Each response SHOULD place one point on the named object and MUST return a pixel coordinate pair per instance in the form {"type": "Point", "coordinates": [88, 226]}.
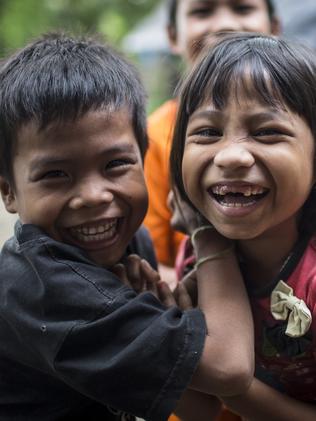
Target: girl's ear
{"type": "Point", "coordinates": [8, 196]}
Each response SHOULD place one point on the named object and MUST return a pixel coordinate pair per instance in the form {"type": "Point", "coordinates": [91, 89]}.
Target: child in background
{"type": "Point", "coordinates": [243, 155]}
{"type": "Point", "coordinates": [75, 342]}
{"type": "Point", "coordinates": [189, 24]}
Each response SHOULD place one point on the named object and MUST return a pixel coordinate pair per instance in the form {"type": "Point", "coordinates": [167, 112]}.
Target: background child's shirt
{"type": "Point", "coordinates": [75, 340]}
{"type": "Point", "coordinates": [160, 129]}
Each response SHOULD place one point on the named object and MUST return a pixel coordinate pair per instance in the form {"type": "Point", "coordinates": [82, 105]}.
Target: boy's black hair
{"type": "Point", "coordinates": [172, 6]}
{"type": "Point", "coordinates": [272, 70]}
{"type": "Point", "coordinates": [59, 77]}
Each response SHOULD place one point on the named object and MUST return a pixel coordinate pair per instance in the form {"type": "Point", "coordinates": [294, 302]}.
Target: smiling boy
{"type": "Point", "coordinates": [73, 203]}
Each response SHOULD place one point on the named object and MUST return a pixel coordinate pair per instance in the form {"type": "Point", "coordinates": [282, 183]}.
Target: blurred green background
{"type": "Point", "coordinates": [23, 20]}
{"type": "Point", "coordinates": [20, 20]}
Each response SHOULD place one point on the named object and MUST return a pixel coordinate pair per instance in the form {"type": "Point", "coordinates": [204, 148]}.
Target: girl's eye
{"type": "Point", "coordinates": [209, 132]}
{"type": "Point", "coordinates": [118, 163]}
{"type": "Point", "coordinates": [269, 134]}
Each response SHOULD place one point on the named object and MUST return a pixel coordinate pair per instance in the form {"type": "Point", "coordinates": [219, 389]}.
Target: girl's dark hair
{"type": "Point", "coordinates": [58, 78]}
{"type": "Point", "coordinates": [172, 6]}
{"type": "Point", "coordinates": [280, 73]}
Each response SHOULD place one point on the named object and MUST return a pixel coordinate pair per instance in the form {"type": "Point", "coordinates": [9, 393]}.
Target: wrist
{"type": "Point", "coordinates": [214, 256]}
{"type": "Point", "coordinates": [206, 240]}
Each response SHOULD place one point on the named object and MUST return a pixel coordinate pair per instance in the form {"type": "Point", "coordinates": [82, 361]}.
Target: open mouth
{"type": "Point", "coordinates": [91, 233]}
{"type": "Point", "coordinates": [238, 196]}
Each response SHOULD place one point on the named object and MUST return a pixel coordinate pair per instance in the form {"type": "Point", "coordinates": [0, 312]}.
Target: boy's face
{"type": "Point", "coordinates": [82, 182]}
{"type": "Point", "coordinates": [254, 166]}
{"type": "Point", "coordinates": [197, 19]}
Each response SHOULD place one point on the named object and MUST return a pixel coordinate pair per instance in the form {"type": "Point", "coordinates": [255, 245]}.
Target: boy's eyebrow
{"type": "Point", "coordinates": [43, 161]}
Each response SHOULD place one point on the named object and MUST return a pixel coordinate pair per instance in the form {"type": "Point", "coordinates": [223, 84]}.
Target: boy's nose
{"type": "Point", "coordinates": [234, 156]}
{"type": "Point", "coordinates": [90, 194]}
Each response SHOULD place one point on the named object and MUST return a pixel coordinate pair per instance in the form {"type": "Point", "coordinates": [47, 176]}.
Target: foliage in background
{"type": "Point", "coordinates": [22, 20]}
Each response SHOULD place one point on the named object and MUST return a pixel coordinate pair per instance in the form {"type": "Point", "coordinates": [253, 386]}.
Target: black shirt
{"type": "Point", "coordinates": [75, 343]}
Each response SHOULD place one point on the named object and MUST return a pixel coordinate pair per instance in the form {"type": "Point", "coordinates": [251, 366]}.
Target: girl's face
{"type": "Point", "coordinates": [248, 168]}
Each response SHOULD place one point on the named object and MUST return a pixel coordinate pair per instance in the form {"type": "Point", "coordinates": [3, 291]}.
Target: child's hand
{"type": "Point", "coordinates": [188, 283]}
{"type": "Point", "coordinates": [138, 274]}
{"type": "Point", "coordinates": [179, 298]}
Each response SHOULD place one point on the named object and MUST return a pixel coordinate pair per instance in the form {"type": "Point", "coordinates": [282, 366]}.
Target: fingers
{"type": "Point", "coordinates": [165, 295]}
{"type": "Point", "coordinates": [189, 281]}
{"type": "Point", "coordinates": [138, 274]}
{"type": "Point", "coordinates": [133, 271]}
{"type": "Point", "coordinates": [150, 277]}
{"type": "Point", "coordinates": [184, 299]}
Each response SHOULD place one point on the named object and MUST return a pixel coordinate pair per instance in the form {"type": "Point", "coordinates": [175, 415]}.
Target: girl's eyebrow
{"type": "Point", "coordinates": [273, 113]}
{"type": "Point", "coordinates": [206, 113]}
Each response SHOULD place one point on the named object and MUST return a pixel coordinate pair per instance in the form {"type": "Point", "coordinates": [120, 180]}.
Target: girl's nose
{"type": "Point", "coordinates": [234, 156]}
{"type": "Point", "coordinates": [90, 194]}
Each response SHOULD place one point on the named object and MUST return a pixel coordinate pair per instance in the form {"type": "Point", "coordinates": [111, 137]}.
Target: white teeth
{"type": "Point", "coordinates": [222, 190]}
{"type": "Point", "coordinates": [103, 231]}
{"type": "Point", "coordinates": [248, 192]}
{"type": "Point", "coordinates": [237, 204]}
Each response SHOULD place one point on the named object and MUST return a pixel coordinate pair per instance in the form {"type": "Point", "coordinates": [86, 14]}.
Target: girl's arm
{"type": "Point", "coordinates": [196, 406]}
{"type": "Point", "coordinates": [261, 403]}
{"type": "Point", "coordinates": [226, 366]}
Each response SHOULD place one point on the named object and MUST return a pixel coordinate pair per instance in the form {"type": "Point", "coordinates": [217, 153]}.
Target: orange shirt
{"type": "Point", "coordinates": [160, 129]}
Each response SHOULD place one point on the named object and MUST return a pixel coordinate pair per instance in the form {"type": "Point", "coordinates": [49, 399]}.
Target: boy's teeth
{"type": "Point", "coordinates": [100, 232]}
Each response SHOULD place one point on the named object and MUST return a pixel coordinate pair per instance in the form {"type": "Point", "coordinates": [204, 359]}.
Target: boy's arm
{"type": "Point", "coordinates": [261, 403]}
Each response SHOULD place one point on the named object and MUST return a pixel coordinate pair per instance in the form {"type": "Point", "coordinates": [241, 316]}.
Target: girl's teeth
{"type": "Point", "coordinates": [247, 191]}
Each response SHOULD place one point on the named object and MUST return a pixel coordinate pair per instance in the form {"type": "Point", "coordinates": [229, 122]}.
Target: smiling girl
{"type": "Point", "coordinates": [243, 156]}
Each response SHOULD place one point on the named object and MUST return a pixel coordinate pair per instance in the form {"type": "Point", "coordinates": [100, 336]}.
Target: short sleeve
{"type": "Point", "coordinates": [76, 323]}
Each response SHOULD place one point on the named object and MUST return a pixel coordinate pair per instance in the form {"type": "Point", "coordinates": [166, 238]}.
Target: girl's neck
{"type": "Point", "coordinates": [264, 256]}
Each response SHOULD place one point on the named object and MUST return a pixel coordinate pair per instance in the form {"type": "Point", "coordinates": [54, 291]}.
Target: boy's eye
{"type": "Point", "coordinates": [53, 174]}
{"type": "Point", "coordinates": [119, 163]}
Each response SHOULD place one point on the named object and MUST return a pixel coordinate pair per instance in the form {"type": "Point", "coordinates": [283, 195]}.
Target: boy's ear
{"type": "Point", "coordinates": [173, 40]}
{"type": "Point", "coordinates": [275, 26]}
{"type": "Point", "coordinates": [8, 196]}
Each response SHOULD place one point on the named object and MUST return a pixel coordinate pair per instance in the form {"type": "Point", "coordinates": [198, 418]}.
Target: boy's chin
{"type": "Point", "coordinates": [102, 257]}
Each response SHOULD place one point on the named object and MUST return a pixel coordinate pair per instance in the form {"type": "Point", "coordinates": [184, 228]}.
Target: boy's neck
{"type": "Point", "coordinates": [263, 257]}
